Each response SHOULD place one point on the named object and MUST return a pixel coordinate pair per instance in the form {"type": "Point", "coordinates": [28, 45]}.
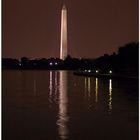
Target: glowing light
{"type": "Point", "coordinates": [97, 71]}
{"type": "Point", "coordinates": [51, 63]}
{"type": "Point", "coordinates": [56, 63]}
{"type": "Point", "coordinates": [110, 71]}
{"type": "Point", "coordinates": [89, 70]}
{"type": "Point", "coordinates": [85, 70]}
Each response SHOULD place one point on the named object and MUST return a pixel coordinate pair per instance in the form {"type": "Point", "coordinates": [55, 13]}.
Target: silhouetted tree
{"type": "Point", "coordinates": [24, 62]}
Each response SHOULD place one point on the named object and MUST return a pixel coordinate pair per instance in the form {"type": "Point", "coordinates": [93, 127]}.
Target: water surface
{"type": "Point", "coordinates": [56, 105]}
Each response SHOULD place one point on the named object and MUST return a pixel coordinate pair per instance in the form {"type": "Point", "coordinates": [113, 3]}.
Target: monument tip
{"type": "Point", "coordinates": [64, 6]}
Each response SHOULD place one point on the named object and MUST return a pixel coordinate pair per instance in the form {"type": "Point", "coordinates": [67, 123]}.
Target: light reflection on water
{"type": "Point", "coordinates": [51, 88]}
{"type": "Point", "coordinates": [110, 97]}
{"type": "Point", "coordinates": [85, 86]}
{"type": "Point", "coordinates": [91, 91]}
{"type": "Point", "coordinates": [56, 84]}
{"type": "Point", "coordinates": [96, 90]}
{"type": "Point", "coordinates": [89, 87]}
{"type": "Point", "coordinates": [63, 101]}
{"type": "Point", "coordinates": [92, 103]}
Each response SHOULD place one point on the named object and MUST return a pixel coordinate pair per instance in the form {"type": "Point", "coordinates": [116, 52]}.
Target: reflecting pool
{"type": "Point", "coordinates": [57, 105]}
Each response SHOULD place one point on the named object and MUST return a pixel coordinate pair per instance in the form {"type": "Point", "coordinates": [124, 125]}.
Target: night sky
{"type": "Point", "coordinates": [31, 28]}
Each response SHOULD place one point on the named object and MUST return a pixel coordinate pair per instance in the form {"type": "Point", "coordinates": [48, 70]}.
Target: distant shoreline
{"type": "Point", "coordinates": [108, 76]}
{"type": "Point", "coordinates": [122, 64]}
{"type": "Point", "coordinates": [84, 74]}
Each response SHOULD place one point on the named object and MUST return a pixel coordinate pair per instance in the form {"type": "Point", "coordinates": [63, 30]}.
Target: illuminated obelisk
{"type": "Point", "coordinates": [63, 41]}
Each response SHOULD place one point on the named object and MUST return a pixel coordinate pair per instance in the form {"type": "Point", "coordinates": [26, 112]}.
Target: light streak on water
{"type": "Point", "coordinates": [89, 86]}
{"type": "Point", "coordinates": [110, 97]}
{"type": "Point", "coordinates": [63, 102]}
{"type": "Point", "coordinates": [96, 90]}
{"type": "Point", "coordinates": [85, 88]}
{"type": "Point", "coordinates": [56, 84]}
{"type": "Point", "coordinates": [51, 87]}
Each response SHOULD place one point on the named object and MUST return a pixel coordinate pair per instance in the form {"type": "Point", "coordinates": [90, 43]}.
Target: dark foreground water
{"type": "Point", "coordinates": [56, 105]}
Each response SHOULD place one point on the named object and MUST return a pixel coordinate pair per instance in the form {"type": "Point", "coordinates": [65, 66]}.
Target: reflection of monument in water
{"type": "Point", "coordinates": [63, 41]}
{"type": "Point", "coordinates": [63, 102]}
{"type": "Point", "coordinates": [58, 87]}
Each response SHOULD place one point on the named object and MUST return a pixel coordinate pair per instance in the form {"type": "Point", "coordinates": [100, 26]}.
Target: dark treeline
{"type": "Point", "coordinates": [52, 63]}
{"type": "Point", "coordinates": [125, 61]}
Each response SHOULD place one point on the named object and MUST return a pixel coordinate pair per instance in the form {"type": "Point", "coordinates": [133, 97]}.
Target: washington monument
{"type": "Point", "coordinates": [63, 41]}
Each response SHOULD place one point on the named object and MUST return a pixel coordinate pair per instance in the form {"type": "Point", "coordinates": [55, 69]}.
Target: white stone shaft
{"type": "Point", "coordinates": [63, 42]}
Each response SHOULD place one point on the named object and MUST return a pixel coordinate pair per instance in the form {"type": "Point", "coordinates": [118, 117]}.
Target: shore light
{"type": "Point", "coordinates": [51, 63]}
{"type": "Point", "coordinates": [110, 71]}
{"type": "Point", "coordinates": [55, 63]}
{"type": "Point", "coordinates": [89, 70]}
{"type": "Point", "coordinates": [97, 71]}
